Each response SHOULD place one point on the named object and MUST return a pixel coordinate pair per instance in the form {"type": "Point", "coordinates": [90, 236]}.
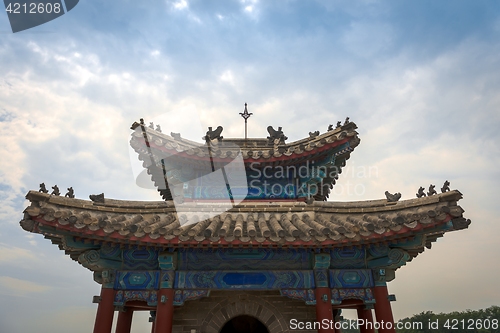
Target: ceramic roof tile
{"type": "Point", "coordinates": [287, 224]}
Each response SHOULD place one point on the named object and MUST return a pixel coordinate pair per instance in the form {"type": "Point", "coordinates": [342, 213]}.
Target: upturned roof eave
{"type": "Point", "coordinates": [319, 225]}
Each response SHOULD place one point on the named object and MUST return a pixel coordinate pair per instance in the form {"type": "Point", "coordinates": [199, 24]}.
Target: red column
{"type": "Point", "coordinates": [367, 317]}
{"type": "Point", "coordinates": [124, 323]}
{"type": "Point", "coordinates": [105, 311]}
{"type": "Point", "coordinates": [383, 310]}
{"type": "Point", "coordinates": [324, 309]}
{"type": "Point", "coordinates": [164, 311]}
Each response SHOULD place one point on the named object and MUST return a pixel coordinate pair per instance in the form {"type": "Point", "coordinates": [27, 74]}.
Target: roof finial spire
{"type": "Point", "coordinates": [245, 116]}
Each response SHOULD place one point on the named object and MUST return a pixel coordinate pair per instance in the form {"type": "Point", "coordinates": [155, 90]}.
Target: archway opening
{"type": "Point", "coordinates": [244, 324]}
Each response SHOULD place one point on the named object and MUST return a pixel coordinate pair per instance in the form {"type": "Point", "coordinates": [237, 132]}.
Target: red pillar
{"type": "Point", "coordinates": [105, 311]}
{"type": "Point", "coordinates": [383, 310]}
{"type": "Point", "coordinates": [367, 317]}
{"type": "Point", "coordinates": [164, 311]}
{"type": "Point", "coordinates": [124, 323]}
{"type": "Point", "coordinates": [324, 309]}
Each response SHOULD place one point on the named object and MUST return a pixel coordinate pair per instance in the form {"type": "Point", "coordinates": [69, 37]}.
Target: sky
{"type": "Point", "coordinates": [419, 78]}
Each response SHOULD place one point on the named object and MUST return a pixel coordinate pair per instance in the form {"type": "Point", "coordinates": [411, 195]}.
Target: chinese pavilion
{"type": "Point", "coordinates": [246, 231]}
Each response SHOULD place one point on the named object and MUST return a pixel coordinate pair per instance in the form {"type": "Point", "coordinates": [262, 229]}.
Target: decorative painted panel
{"type": "Point", "coordinates": [92, 260]}
{"type": "Point", "coordinates": [167, 279]}
{"type": "Point", "coordinates": [148, 296]}
{"type": "Point", "coordinates": [135, 259]}
{"type": "Point", "coordinates": [306, 295]}
{"type": "Point", "coordinates": [243, 259]}
{"type": "Point", "coordinates": [342, 254]}
{"type": "Point", "coordinates": [111, 252]}
{"type": "Point", "coordinates": [351, 278]}
{"type": "Point", "coordinates": [322, 261]}
{"type": "Point", "coordinates": [137, 280]}
{"type": "Point", "coordinates": [180, 296]}
{"type": "Point", "coordinates": [255, 280]}
{"type": "Point", "coordinates": [366, 295]}
{"type": "Point", "coordinates": [348, 264]}
{"type": "Point", "coordinates": [348, 258]}
{"type": "Point", "coordinates": [377, 250]}
{"type": "Point", "coordinates": [167, 261]}
{"type": "Point", "coordinates": [395, 258]}
{"type": "Point", "coordinates": [321, 278]}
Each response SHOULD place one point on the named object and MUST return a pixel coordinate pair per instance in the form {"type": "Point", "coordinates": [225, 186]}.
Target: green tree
{"type": "Point", "coordinates": [479, 321]}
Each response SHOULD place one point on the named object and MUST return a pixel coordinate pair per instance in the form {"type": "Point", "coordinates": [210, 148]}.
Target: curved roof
{"type": "Point", "coordinates": [165, 155]}
{"type": "Point", "coordinates": [249, 224]}
{"type": "Point", "coordinates": [252, 150]}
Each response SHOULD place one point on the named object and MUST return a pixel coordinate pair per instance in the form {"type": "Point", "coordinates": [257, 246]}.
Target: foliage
{"type": "Point", "coordinates": [480, 321]}
{"type": "Point", "coordinates": [455, 322]}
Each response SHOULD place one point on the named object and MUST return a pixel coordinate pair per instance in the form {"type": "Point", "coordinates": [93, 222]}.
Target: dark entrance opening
{"type": "Point", "coordinates": [244, 324]}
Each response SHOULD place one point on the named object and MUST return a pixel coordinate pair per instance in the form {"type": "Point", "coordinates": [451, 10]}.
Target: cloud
{"type": "Point", "coordinates": [10, 254]}
{"type": "Point", "coordinates": [17, 287]}
{"type": "Point", "coordinates": [227, 76]}
{"type": "Point", "coordinates": [180, 5]}
{"type": "Point", "coordinates": [249, 4]}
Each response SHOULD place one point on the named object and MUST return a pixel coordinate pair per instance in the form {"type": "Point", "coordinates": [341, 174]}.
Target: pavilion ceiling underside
{"type": "Point", "coordinates": [330, 164]}
{"type": "Point", "coordinates": [322, 224]}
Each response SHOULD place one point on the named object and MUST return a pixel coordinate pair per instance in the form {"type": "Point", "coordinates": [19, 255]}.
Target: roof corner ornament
{"type": "Point", "coordinates": [55, 190]}
{"type": "Point", "coordinates": [346, 121]}
{"type": "Point", "coordinates": [313, 134]}
{"type": "Point", "coordinates": [432, 191]}
{"type": "Point", "coordinates": [339, 124]}
{"type": "Point", "coordinates": [97, 197]}
{"type": "Point", "coordinates": [70, 194]}
{"type": "Point", "coordinates": [421, 192]}
{"type": "Point", "coordinates": [43, 189]}
{"type": "Point", "coordinates": [212, 135]}
{"type": "Point", "coordinates": [176, 136]}
{"type": "Point", "coordinates": [276, 136]}
{"type": "Point", "coordinates": [245, 115]}
{"type": "Point", "coordinates": [446, 187]}
{"type": "Point", "coordinates": [330, 127]}
{"type": "Point", "coordinates": [392, 197]}
{"type": "Point", "coordinates": [151, 125]}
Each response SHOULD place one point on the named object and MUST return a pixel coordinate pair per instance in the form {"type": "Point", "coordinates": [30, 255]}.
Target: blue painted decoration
{"type": "Point", "coordinates": [243, 259]}
{"type": "Point", "coordinates": [250, 280]}
{"type": "Point", "coordinates": [351, 278]}
{"type": "Point", "coordinates": [148, 296]}
{"type": "Point", "coordinates": [137, 280]}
